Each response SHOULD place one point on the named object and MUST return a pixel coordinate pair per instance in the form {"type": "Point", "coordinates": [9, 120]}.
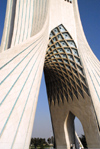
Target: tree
{"type": "Point", "coordinates": [83, 140]}
{"type": "Point", "coordinates": [38, 142]}
{"type": "Point", "coordinates": [49, 140]}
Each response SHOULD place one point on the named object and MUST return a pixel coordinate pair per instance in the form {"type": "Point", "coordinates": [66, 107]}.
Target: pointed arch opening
{"type": "Point", "coordinates": [64, 73]}
{"type": "Point", "coordinates": [74, 133]}
{"type": "Point", "coordinates": [79, 133]}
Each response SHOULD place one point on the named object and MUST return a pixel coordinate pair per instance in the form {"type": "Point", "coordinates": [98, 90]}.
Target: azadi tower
{"type": "Point", "coordinates": [47, 34]}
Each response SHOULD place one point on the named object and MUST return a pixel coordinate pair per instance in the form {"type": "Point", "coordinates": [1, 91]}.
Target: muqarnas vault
{"type": "Point", "coordinates": [47, 34]}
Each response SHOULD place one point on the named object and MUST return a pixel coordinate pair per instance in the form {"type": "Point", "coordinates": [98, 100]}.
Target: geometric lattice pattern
{"type": "Point", "coordinates": [63, 68]}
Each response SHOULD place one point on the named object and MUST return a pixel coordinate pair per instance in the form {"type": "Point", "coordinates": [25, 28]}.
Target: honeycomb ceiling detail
{"type": "Point", "coordinates": [63, 69]}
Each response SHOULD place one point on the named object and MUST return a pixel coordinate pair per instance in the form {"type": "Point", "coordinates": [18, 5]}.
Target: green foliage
{"type": "Point", "coordinates": [51, 140]}
{"type": "Point", "coordinates": [41, 143]}
{"type": "Point", "coordinates": [83, 140]}
{"type": "Point", "coordinates": [38, 142]}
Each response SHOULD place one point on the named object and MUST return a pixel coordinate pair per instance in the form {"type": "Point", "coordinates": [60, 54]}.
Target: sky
{"type": "Point", "coordinates": [90, 17]}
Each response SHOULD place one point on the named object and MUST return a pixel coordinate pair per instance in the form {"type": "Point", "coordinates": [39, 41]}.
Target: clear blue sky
{"type": "Point", "coordinates": [90, 17]}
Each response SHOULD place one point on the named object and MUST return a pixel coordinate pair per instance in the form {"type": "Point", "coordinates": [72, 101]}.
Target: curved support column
{"type": "Point", "coordinates": [90, 63]}
{"type": "Point", "coordinates": [63, 123]}
{"type": "Point", "coordinates": [69, 130]}
{"type": "Point", "coordinates": [58, 119]}
{"type": "Point", "coordinates": [21, 72]}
